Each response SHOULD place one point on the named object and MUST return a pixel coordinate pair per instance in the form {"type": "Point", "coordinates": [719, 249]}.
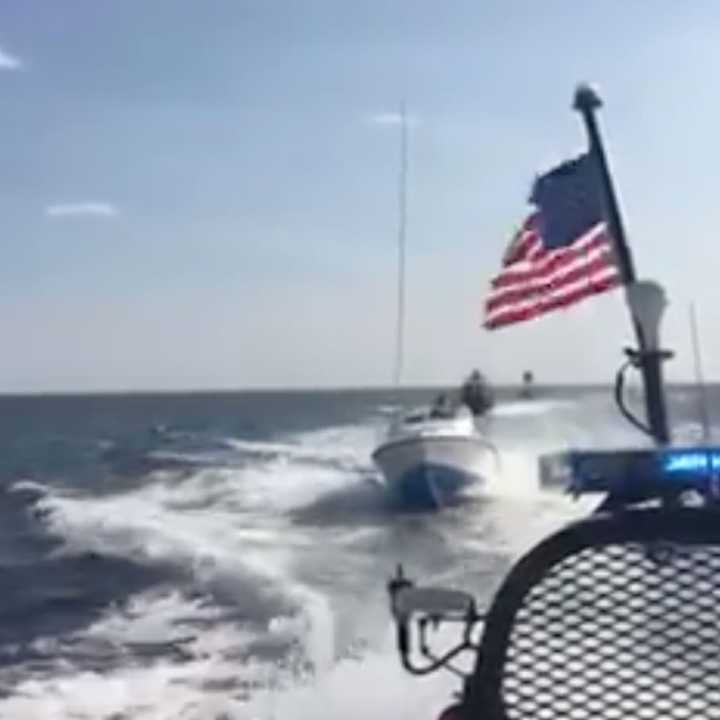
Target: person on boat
{"type": "Point", "coordinates": [526, 391]}
{"type": "Point", "coordinates": [476, 394]}
{"type": "Point", "coordinates": [442, 407]}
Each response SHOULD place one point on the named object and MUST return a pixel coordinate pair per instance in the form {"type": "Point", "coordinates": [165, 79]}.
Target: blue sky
{"type": "Point", "coordinates": [203, 194]}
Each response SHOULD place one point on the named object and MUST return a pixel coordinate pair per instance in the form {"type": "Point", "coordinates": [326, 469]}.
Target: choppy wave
{"type": "Point", "coordinates": [254, 572]}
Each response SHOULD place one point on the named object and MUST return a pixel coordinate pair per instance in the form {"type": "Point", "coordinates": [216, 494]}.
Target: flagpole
{"type": "Point", "coordinates": [587, 101]}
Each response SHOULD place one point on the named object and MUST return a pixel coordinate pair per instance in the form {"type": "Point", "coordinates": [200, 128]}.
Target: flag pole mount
{"type": "Point", "coordinates": [646, 299]}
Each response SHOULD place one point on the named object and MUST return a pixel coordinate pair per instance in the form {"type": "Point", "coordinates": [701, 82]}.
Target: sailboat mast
{"type": "Point", "coordinates": [402, 228]}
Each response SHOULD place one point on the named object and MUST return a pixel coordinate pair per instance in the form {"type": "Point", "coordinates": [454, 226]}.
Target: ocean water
{"type": "Point", "coordinates": [232, 565]}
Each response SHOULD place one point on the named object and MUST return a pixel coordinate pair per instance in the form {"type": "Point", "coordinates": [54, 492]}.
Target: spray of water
{"type": "Point", "coordinates": [283, 614]}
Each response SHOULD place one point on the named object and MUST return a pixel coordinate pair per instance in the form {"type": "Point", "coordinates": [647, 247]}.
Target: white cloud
{"type": "Point", "coordinates": [391, 119]}
{"type": "Point", "coordinates": [9, 62]}
{"type": "Point", "coordinates": [84, 209]}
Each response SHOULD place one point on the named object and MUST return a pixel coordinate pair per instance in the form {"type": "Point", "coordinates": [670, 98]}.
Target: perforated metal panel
{"type": "Point", "coordinates": [616, 617]}
{"type": "Point", "coordinates": [619, 632]}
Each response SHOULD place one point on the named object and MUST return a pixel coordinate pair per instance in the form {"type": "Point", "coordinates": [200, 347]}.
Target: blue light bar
{"type": "Point", "coordinates": [691, 461]}
{"type": "Point", "coordinates": [649, 472]}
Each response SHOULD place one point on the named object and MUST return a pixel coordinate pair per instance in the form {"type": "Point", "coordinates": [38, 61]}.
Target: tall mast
{"type": "Point", "coordinates": [402, 227]}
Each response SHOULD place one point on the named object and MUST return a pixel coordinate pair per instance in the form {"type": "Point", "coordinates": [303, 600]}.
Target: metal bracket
{"type": "Point", "coordinates": [432, 615]}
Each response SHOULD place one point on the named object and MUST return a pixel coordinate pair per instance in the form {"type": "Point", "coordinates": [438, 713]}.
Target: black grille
{"type": "Point", "coordinates": [618, 632]}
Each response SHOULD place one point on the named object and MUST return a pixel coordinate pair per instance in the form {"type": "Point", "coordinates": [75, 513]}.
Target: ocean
{"type": "Point", "coordinates": [225, 556]}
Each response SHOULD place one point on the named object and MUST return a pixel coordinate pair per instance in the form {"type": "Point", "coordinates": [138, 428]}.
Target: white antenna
{"type": "Point", "coordinates": [402, 226]}
{"type": "Point", "coordinates": [702, 395]}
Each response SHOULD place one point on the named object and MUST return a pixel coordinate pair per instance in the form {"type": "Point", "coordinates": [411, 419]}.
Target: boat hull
{"type": "Point", "coordinates": [430, 470]}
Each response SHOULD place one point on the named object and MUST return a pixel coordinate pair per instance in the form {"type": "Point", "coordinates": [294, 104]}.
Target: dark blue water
{"type": "Point", "coordinates": [224, 555]}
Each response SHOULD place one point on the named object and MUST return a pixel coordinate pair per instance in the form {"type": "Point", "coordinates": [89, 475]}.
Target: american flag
{"type": "Point", "coordinates": [563, 252]}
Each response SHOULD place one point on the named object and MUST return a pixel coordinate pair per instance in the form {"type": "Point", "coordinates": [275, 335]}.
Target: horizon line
{"type": "Point", "coordinates": [279, 390]}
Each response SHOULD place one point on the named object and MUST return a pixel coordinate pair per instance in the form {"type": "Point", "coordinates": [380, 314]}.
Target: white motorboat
{"type": "Point", "coordinates": [426, 459]}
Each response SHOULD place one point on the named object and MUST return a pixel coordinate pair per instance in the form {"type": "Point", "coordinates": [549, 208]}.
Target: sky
{"type": "Point", "coordinates": [204, 194]}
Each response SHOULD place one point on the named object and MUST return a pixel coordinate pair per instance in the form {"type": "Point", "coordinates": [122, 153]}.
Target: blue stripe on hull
{"type": "Point", "coordinates": [429, 485]}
